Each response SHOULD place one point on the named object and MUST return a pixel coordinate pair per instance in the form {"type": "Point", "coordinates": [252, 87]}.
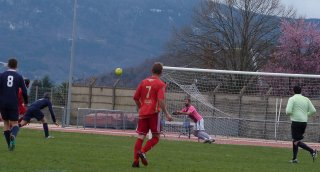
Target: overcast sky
{"type": "Point", "coordinates": [305, 8]}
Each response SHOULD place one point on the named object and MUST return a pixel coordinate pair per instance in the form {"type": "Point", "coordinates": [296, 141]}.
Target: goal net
{"type": "Point", "coordinates": [241, 104]}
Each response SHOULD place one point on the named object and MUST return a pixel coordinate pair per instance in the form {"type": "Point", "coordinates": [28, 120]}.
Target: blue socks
{"type": "Point", "coordinates": [14, 131]}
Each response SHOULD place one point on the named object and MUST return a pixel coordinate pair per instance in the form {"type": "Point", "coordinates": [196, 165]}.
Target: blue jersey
{"type": "Point", "coordinates": [10, 82]}
{"type": "Point", "coordinates": [41, 104]}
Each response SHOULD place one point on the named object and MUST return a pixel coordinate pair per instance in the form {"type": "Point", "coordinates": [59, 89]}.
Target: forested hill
{"type": "Point", "coordinates": [110, 33]}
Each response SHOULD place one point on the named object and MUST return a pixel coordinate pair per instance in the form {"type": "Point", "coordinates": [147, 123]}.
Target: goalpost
{"type": "Point", "coordinates": [242, 104]}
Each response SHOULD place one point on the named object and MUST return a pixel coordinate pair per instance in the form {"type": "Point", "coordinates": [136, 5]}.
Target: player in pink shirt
{"type": "Point", "coordinates": [198, 120]}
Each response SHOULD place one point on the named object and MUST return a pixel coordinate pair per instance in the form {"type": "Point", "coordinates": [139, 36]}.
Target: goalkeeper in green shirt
{"type": "Point", "coordinates": [299, 108]}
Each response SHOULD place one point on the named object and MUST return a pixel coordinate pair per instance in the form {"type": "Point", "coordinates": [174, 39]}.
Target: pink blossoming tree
{"type": "Point", "coordinates": [298, 52]}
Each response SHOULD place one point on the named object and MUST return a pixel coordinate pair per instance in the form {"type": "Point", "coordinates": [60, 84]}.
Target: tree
{"type": "Point", "coordinates": [60, 93]}
{"type": "Point", "coordinates": [298, 50]}
{"type": "Point", "coordinates": [39, 87]}
{"type": "Point", "coordinates": [230, 34]}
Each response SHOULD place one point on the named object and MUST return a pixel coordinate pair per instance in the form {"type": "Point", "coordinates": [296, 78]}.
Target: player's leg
{"type": "Point", "coordinates": [199, 134]}
{"type": "Point", "coordinates": [296, 137]}
{"type": "Point", "coordinates": [154, 125]}
{"type": "Point", "coordinates": [14, 133]}
{"type": "Point", "coordinates": [22, 111]}
{"type": "Point", "coordinates": [155, 128]}
{"type": "Point", "coordinates": [206, 136]}
{"type": "Point", "coordinates": [13, 122]}
{"type": "Point", "coordinates": [6, 127]}
{"type": "Point", "coordinates": [45, 127]}
{"type": "Point", "coordinates": [6, 131]}
{"type": "Point", "coordinates": [26, 119]}
{"type": "Point", "coordinates": [14, 128]}
{"type": "Point", "coordinates": [23, 123]}
{"type": "Point", "coordinates": [301, 130]}
{"type": "Point", "coordinates": [202, 133]}
{"type": "Point", "coordinates": [199, 127]}
{"type": "Point", "coordinates": [142, 130]}
{"type": "Point", "coordinates": [295, 149]}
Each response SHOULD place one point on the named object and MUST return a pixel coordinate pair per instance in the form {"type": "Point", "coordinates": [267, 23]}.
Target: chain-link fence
{"type": "Point", "coordinates": [58, 98]}
{"type": "Point", "coordinates": [58, 95]}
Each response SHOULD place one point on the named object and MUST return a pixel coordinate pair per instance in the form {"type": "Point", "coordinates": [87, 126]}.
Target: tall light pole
{"type": "Point", "coordinates": [74, 25]}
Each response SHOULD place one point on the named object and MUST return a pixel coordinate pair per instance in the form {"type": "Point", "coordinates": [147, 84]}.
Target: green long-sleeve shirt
{"type": "Point", "coordinates": [300, 108]}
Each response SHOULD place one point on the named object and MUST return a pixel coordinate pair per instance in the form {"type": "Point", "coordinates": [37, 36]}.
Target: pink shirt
{"type": "Point", "coordinates": [194, 115]}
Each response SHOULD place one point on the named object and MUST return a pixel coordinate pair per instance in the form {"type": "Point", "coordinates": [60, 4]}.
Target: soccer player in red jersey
{"type": "Point", "coordinates": [149, 98]}
{"type": "Point", "coordinates": [22, 106]}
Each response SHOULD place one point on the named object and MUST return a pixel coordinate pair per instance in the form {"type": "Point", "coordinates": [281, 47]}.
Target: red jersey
{"type": "Point", "coordinates": [149, 91]}
{"type": "Point", "coordinates": [22, 108]}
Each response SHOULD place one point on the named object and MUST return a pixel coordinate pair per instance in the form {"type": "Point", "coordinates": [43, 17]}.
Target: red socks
{"type": "Point", "coordinates": [150, 143]}
{"type": "Point", "coordinates": [137, 148]}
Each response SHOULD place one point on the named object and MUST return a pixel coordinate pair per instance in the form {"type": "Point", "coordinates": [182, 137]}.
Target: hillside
{"type": "Point", "coordinates": [110, 34]}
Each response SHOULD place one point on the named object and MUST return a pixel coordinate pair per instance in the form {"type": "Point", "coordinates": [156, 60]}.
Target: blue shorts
{"type": "Point", "coordinates": [33, 113]}
{"type": "Point", "coordinates": [9, 114]}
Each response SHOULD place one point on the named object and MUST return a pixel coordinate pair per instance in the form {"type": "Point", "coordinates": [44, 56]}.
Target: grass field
{"type": "Point", "coordinates": [89, 152]}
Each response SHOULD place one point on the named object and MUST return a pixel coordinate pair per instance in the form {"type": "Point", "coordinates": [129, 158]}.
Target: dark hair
{"type": "Point", "coordinates": [27, 82]}
{"type": "Point", "coordinates": [157, 68]}
{"type": "Point", "coordinates": [297, 89]}
{"type": "Point", "coordinates": [46, 95]}
{"type": "Point", "coordinates": [188, 99]}
{"type": "Point", "coordinates": [12, 63]}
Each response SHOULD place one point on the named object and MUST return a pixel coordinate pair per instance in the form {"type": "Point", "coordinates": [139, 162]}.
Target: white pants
{"type": "Point", "coordinates": [199, 125]}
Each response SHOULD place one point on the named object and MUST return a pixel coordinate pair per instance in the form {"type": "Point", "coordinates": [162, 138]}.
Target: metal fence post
{"type": "Point", "coordinates": [95, 120]}
{"type": "Point", "coordinates": [63, 118]}
{"type": "Point", "coordinates": [84, 121]}
{"type": "Point", "coordinates": [78, 117]}
{"type": "Point", "coordinates": [114, 93]}
{"type": "Point", "coordinates": [123, 121]}
{"type": "Point", "coordinates": [37, 89]}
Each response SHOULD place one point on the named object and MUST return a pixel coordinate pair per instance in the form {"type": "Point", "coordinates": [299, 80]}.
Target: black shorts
{"type": "Point", "coordinates": [33, 113]}
{"type": "Point", "coordinates": [9, 114]}
{"type": "Point", "coordinates": [297, 130]}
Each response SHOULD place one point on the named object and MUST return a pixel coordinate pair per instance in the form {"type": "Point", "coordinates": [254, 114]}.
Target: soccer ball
{"type": "Point", "coordinates": [118, 71]}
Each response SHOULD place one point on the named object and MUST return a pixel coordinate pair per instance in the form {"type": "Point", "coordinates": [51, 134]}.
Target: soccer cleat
{"type": "Point", "coordinates": [314, 155]}
{"type": "Point", "coordinates": [12, 144]}
{"type": "Point", "coordinates": [294, 161]}
{"type": "Point", "coordinates": [212, 141]}
{"type": "Point", "coordinates": [143, 158]}
{"type": "Point", "coordinates": [209, 141]}
{"type": "Point", "coordinates": [50, 137]}
{"type": "Point", "coordinates": [135, 164]}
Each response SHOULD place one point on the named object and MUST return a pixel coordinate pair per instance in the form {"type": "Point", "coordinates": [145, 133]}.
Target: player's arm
{"type": "Point", "coordinates": [289, 106]}
{"type": "Point", "coordinates": [312, 110]}
{"type": "Point", "coordinates": [137, 96]}
{"type": "Point", "coordinates": [160, 96]}
{"type": "Point", "coordinates": [184, 113]}
{"type": "Point", "coordinates": [53, 117]}
{"type": "Point", "coordinates": [164, 109]}
{"type": "Point", "coordinates": [24, 91]}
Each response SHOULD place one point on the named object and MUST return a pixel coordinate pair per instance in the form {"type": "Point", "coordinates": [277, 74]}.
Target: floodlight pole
{"type": "Point", "coordinates": [74, 25]}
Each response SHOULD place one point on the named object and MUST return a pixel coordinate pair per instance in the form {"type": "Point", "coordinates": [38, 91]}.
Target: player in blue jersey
{"type": "Point", "coordinates": [34, 111]}
{"type": "Point", "coordinates": [10, 82]}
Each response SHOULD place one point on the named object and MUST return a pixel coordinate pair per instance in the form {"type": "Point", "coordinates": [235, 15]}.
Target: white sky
{"type": "Point", "coordinates": [305, 8]}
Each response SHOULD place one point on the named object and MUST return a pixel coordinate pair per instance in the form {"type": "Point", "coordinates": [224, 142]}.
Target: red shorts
{"type": "Point", "coordinates": [22, 110]}
{"type": "Point", "coordinates": [151, 122]}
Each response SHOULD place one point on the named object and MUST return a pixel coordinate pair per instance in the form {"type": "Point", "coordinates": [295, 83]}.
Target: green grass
{"type": "Point", "coordinates": [88, 152]}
